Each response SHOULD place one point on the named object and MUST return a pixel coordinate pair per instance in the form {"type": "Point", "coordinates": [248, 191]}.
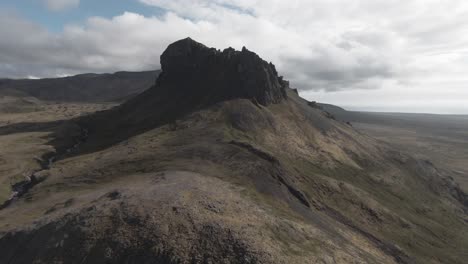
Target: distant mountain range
{"type": "Point", "coordinates": [81, 88]}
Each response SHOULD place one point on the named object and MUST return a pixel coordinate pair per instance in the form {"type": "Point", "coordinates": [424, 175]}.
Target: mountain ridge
{"type": "Point", "coordinates": [88, 87]}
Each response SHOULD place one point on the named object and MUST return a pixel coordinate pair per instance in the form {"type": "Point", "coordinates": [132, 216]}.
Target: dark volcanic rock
{"type": "Point", "coordinates": [206, 75]}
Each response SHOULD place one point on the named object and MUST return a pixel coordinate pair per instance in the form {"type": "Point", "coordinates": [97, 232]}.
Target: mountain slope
{"type": "Point", "coordinates": [442, 139]}
{"type": "Point", "coordinates": [81, 88]}
{"type": "Point", "coordinates": [221, 162]}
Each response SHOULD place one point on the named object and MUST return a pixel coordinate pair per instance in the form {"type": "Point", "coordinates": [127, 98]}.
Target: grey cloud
{"type": "Point", "coordinates": [325, 72]}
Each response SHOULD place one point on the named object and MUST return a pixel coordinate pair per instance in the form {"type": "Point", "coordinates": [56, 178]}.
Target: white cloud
{"type": "Point", "coordinates": [61, 5]}
{"type": "Point", "coordinates": [320, 45]}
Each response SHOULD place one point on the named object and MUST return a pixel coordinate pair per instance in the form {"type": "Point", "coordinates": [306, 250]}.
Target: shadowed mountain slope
{"type": "Point", "coordinates": [221, 162]}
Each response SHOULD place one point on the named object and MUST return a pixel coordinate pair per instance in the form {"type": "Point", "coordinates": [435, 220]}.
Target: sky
{"type": "Point", "coordinates": [370, 55]}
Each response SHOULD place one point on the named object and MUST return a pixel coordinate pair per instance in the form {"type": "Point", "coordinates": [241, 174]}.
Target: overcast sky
{"type": "Point", "coordinates": [377, 55]}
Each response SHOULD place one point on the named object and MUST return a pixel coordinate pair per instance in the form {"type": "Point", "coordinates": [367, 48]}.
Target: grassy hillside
{"type": "Point", "coordinates": [442, 139]}
{"type": "Point", "coordinates": [277, 184]}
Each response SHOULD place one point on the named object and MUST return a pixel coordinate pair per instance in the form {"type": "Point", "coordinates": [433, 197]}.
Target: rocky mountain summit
{"type": "Point", "coordinates": [220, 162]}
{"type": "Point", "coordinates": [192, 78]}
{"type": "Point", "coordinates": [207, 75]}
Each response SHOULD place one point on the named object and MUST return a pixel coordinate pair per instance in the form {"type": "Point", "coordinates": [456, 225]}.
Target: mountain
{"type": "Point", "coordinates": [18, 104]}
{"type": "Point", "coordinates": [81, 88]}
{"type": "Point", "coordinates": [220, 161]}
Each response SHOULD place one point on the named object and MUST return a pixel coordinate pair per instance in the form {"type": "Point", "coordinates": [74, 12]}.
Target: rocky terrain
{"type": "Point", "coordinates": [220, 161]}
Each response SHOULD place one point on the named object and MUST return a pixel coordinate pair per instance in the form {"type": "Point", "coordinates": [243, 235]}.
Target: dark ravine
{"type": "Point", "coordinates": [19, 189]}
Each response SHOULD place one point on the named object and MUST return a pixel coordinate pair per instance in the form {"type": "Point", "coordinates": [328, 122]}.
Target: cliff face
{"type": "Point", "coordinates": [206, 75]}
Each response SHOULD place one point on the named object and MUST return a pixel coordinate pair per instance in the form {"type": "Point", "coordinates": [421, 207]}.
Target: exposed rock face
{"type": "Point", "coordinates": [206, 75]}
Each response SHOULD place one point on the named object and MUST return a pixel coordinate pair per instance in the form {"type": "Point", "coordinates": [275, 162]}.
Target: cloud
{"type": "Point", "coordinates": [329, 45]}
{"type": "Point", "coordinates": [342, 45]}
{"type": "Point", "coordinates": [129, 41]}
{"type": "Point", "coordinates": [61, 5]}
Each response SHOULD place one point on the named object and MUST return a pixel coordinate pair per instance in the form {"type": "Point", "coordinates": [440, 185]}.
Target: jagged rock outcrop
{"type": "Point", "coordinates": [206, 75]}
